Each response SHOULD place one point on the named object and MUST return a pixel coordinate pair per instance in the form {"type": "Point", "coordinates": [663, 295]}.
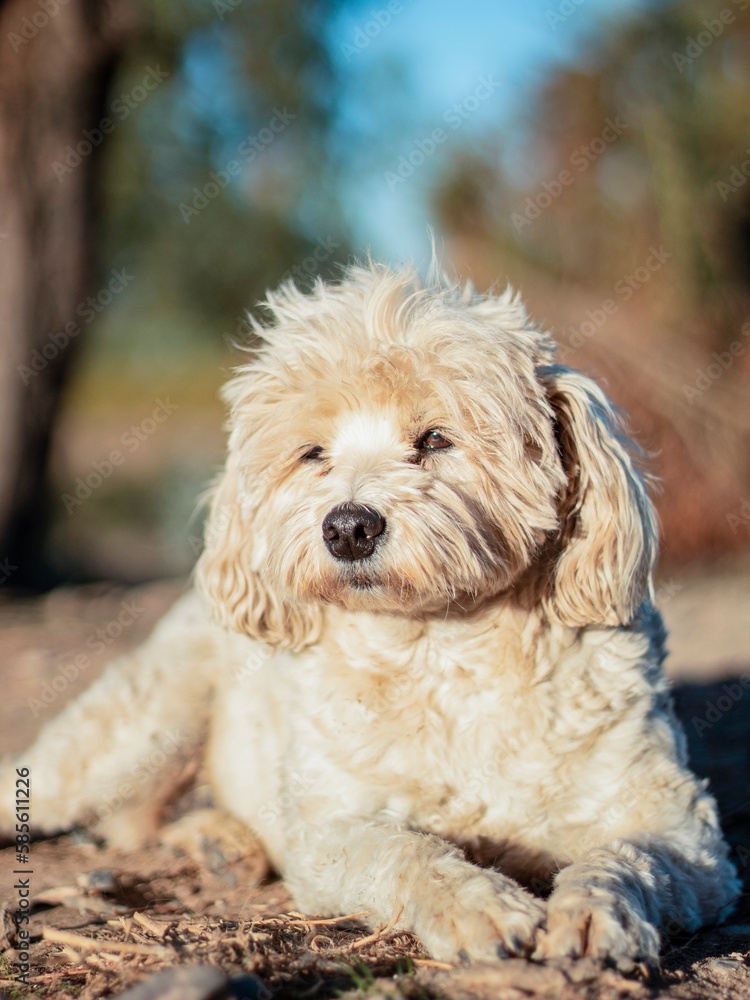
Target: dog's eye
{"type": "Point", "coordinates": [433, 441]}
{"type": "Point", "coordinates": [314, 454]}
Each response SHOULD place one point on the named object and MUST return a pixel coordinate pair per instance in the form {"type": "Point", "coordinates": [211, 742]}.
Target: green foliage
{"type": "Point", "coordinates": [219, 181]}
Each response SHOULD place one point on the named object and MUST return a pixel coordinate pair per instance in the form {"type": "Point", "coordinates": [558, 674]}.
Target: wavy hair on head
{"type": "Point", "coordinates": [231, 569]}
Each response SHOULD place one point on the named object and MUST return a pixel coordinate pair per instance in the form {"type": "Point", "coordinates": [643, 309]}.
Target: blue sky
{"type": "Point", "coordinates": [405, 69]}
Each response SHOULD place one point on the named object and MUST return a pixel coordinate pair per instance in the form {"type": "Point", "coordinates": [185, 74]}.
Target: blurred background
{"type": "Point", "coordinates": [162, 162]}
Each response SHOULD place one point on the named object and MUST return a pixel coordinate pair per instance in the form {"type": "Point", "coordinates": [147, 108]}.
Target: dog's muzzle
{"type": "Point", "coordinates": [351, 531]}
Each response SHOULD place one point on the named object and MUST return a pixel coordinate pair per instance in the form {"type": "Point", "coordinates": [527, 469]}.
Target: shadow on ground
{"type": "Point", "coordinates": [104, 920]}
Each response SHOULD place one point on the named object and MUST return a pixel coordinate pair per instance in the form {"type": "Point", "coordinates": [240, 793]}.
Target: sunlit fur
{"type": "Point", "coordinates": [475, 710]}
{"type": "Point", "coordinates": [363, 369]}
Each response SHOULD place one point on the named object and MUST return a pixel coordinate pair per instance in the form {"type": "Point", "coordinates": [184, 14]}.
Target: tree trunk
{"type": "Point", "coordinates": [56, 59]}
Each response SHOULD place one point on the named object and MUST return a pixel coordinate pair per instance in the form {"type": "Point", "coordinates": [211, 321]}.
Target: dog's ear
{"type": "Point", "coordinates": [608, 530]}
{"type": "Point", "coordinates": [229, 575]}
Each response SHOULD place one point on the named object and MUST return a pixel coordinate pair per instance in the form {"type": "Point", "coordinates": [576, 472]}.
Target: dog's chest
{"type": "Point", "coordinates": [445, 731]}
{"type": "Point", "coordinates": [446, 751]}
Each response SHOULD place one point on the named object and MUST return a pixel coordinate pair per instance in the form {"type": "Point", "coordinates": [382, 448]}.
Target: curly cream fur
{"type": "Point", "coordinates": [475, 710]}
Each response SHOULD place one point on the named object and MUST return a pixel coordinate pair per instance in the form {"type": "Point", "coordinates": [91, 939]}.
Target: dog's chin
{"type": "Point", "coordinates": [362, 587]}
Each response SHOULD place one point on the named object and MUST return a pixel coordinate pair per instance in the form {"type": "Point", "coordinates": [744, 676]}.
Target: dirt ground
{"type": "Point", "coordinates": [103, 920]}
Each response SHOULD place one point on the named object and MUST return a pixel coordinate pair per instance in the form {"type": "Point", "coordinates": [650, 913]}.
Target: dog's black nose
{"type": "Point", "coordinates": [351, 531]}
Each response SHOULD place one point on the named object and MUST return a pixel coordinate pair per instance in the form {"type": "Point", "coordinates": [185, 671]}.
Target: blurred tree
{"type": "Point", "coordinates": [56, 64]}
{"type": "Point", "coordinates": [201, 150]}
{"type": "Point", "coordinates": [225, 181]}
{"type": "Point", "coordinates": [638, 154]}
{"type": "Point", "coordinates": [637, 146]}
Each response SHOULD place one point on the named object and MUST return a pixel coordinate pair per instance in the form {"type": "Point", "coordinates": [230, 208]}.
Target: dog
{"type": "Point", "coordinates": [422, 642]}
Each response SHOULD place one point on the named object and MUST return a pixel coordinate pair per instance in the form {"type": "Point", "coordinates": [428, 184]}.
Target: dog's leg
{"type": "Point", "coordinates": [458, 910]}
{"type": "Point", "coordinates": [614, 901]}
{"type": "Point", "coordinates": [105, 759]}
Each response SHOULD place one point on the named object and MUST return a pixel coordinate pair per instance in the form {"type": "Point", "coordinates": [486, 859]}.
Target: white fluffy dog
{"type": "Point", "coordinates": [422, 644]}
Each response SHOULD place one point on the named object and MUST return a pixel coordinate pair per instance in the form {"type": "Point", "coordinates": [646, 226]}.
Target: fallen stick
{"type": "Point", "coordinates": [91, 944]}
{"type": "Point", "coordinates": [377, 934]}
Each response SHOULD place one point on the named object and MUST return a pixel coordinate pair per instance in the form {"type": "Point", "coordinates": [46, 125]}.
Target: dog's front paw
{"type": "Point", "coordinates": [580, 924]}
{"type": "Point", "coordinates": [483, 918]}
{"type": "Point", "coordinates": [215, 840]}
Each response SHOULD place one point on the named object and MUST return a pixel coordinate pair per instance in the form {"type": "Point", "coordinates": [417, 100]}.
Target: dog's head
{"type": "Point", "coordinates": [400, 448]}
